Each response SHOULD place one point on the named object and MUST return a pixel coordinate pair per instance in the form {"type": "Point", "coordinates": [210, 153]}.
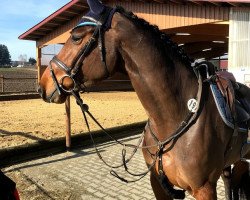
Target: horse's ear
{"type": "Point", "coordinates": [96, 6]}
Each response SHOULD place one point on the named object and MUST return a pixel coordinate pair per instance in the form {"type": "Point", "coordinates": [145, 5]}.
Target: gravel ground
{"type": "Point", "coordinates": [27, 121]}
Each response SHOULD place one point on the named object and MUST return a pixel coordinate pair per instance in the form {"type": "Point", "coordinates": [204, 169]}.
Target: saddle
{"type": "Point", "coordinates": [235, 110]}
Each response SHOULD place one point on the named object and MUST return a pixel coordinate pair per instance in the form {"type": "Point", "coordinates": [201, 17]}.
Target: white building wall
{"type": "Point", "coordinates": [239, 44]}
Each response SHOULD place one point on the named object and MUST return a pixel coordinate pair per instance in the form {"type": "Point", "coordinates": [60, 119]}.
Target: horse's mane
{"type": "Point", "coordinates": [172, 47]}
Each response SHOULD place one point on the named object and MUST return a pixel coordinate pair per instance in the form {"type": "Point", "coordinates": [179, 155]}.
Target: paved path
{"type": "Point", "coordinates": [80, 175]}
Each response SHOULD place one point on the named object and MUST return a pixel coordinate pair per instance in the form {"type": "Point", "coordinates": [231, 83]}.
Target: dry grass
{"type": "Point", "coordinates": [27, 121]}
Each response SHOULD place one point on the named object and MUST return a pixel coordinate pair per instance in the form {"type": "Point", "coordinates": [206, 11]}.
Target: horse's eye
{"type": "Point", "coordinates": [76, 39]}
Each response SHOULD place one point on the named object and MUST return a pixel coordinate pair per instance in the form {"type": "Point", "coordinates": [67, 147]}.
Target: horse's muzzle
{"type": "Point", "coordinates": [42, 93]}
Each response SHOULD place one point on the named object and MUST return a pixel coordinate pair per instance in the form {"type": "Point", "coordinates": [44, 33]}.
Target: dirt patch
{"type": "Point", "coordinates": [28, 121]}
{"type": "Point", "coordinates": [17, 80]}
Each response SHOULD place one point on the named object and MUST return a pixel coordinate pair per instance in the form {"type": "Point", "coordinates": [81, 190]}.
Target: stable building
{"type": "Point", "coordinates": [205, 29]}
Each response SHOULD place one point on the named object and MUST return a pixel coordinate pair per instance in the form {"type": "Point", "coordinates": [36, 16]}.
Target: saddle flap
{"type": "Point", "coordinates": [226, 88]}
{"type": "Point", "coordinates": [234, 109]}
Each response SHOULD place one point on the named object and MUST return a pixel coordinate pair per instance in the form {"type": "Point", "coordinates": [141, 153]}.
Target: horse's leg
{"type": "Point", "coordinates": [206, 192]}
{"type": "Point", "coordinates": [226, 177]}
{"type": "Point", "coordinates": [159, 192]}
{"type": "Point", "coordinates": [241, 180]}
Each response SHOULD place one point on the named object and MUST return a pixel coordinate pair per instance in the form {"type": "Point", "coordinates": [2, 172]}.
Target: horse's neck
{"type": "Point", "coordinates": [162, 90]}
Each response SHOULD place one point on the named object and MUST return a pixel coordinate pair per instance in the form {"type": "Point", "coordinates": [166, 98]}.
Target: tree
{"type": "Point", "coordinates": [4, 55]}
{"type": "Point", "coordinates": [32, 61]}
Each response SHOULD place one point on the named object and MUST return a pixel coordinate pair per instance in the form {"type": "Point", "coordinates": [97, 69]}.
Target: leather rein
{"type": "Point", "coordinates": [71, 72]}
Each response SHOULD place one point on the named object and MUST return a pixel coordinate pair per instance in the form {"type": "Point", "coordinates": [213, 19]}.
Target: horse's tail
{"type": "Point", "coordinates": [241, 181]}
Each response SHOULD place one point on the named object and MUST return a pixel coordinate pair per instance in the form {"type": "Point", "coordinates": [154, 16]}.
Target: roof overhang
{"type": "Point", "coordinates": [63, 15]}
{"type": "Point", "coordinates": [79, 7]}
{"type": "Point", "coordinates": [203, 40]}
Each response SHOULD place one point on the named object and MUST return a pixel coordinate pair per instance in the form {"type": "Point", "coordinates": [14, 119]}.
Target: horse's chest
{"type": "Point", "coordinates": [170, 168]}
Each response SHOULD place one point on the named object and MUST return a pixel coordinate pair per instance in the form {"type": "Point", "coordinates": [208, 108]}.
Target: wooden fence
{"type": "Point", "coordinates": [29, 85]}
{"type": "Point", "coordinates": [17, 84]}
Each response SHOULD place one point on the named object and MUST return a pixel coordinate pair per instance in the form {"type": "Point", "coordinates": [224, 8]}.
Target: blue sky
{"type": "Point", "coordinates": [17, 16]}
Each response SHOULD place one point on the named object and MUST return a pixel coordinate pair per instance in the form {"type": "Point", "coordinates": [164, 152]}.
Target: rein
{"type": "Point", "coordinates": [188, 121]}
{"type": "Point", "coordinates": [190, 118]}
{"type": "Point", "coordinates": [85, 110]}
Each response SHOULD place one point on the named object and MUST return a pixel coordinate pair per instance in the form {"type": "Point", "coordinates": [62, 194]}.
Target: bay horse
{"type": "Point", "coordinates": [191, 151]}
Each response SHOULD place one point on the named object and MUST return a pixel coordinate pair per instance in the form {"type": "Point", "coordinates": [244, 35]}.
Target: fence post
{"type": "Point", "coordinates": [68, 123]}
{"type": "Point", "coordinates": [2, 83]}
{"type": "Point", "coordinates": [36, 83]}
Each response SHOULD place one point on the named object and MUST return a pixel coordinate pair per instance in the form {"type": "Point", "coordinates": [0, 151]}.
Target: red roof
{"type": "Point", "coordinates": [64, 14]}
{"type": "Point", "coordinates": [79, 7]}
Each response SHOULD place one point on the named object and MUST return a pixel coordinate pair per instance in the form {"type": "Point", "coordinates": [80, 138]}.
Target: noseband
{"type": "Point", "coordinates": [71, 72]}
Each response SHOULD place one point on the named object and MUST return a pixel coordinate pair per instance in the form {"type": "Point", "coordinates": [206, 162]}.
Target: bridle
{"type": "Point", "coordinates": [71, 72]}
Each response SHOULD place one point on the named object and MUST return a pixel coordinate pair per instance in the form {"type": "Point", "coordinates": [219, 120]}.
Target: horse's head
{"type": "Point", "coordinates": [88, 56]}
